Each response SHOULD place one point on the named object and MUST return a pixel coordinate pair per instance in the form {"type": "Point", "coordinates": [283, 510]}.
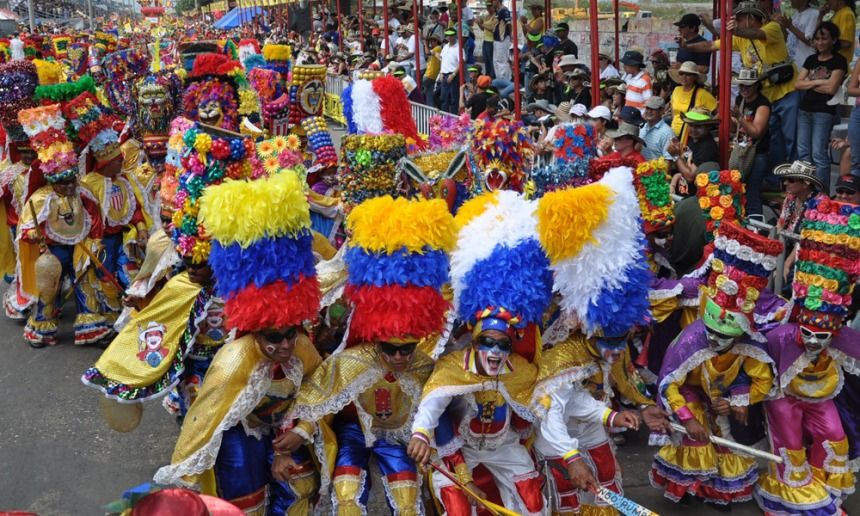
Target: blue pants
{"type": "Point", "coordinates": [813, 142]}
{"type": "Point", "coordinates": [353, 458]}
{"type": "Point", "coordinates": [854, 139]}
{"type": "Point", "coordinates": [754, 184]}
{"type": "Point", "coordinates": [450, 94]}
{"type": "Point", "coordinates": [469, 50]}
{"type": "Point", "coordinates": [503, 86]}
{"type": "Point", "coordinates": [783, 129]}
{"type": "Point", "coordinates": [487, 51]}
{"type": "Point", "coordinates": [244, 467]}
{"type": "Point", "coordinates": [115, 259]}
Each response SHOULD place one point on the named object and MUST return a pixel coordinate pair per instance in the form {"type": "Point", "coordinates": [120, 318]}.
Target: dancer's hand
{"type": "Point", "coordinates": [476, 491]}
{"type": "Point", "coordinates": [581, 476]}
{"type": "Point", "coordinates": [696, 431]}
{"type": "Point", "coordinates": [281, 466]}
{"type": "Point", "coordinates": [721, 407]}
{"type": "Point", "coordinates": [655, 419]}
{"type": "Point", "coordinates": [626, 419]}
{"type": "Point", "coordinates": [288, 442]}
{"type": "Point", "coordinates": [419, 450]}
{"type": "Point", "coordinates": [741, 414]}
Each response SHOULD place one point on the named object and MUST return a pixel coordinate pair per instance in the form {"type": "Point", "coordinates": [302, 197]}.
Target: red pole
{"type": "Point", "coordinates": [460, 42]}
{"type": "Point", "coordinates": [725, 92]}
{"type": "Point", "coordinates": [340, 29]}
{"type": "Point", "coordinates": [515, 66]}
{"type": "Point", "coordinates": [547, 15]}
{"type": "Point", "coordinates": [595, 52]}
{"type": "Point", "coordinates": [718, 9]}
{"type": "Point", "coordinates": [617, 15]}
{"type": "Point", "coordinates": [385, 23]}
{"type": "Point", "coordinates": [417, 49]}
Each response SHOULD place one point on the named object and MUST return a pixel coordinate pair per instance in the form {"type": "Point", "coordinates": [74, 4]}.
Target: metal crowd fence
{"type": "Point", "coordinates": [333, 106]}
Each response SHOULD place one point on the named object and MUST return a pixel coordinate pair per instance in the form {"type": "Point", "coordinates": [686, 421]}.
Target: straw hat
{"type": "Point", "coordinates": [747, 77]}
{"type": "Point", "coordinates": [803, 170]}
{"type": "Point", "coordinates": [750, 8]}
{"type": "Point", "coordinates": [699, 116]}
{"type": "Point", "coordinates": [687, 67]}
{"type": "Point", "coordinates": [562, 112]}
{"type": "Point", "coordinates": [626, 129]}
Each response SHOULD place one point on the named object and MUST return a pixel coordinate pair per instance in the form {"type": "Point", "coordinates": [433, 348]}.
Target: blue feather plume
{"type": "Point", "coordinates": [426, 269]}
{"type": "Point", "coordinates": [617, 310]}
{"type": "Point", "coordinates": [346, 100]}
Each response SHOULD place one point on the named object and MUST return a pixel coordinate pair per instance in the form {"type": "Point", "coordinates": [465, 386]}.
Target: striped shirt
{"type": "Point", "coordinates": [656, 138]}
{"type": "Point", "coordinates": [638, 90]}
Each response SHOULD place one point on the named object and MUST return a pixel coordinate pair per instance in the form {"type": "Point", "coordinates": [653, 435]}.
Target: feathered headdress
{"type": "Point", "coordinates": [651, 179]}
{"type": "Point", "coordinates": [96, 127]}
{"type": "Point", "coordinates": [50, 72]}
{"type": "Point", "coordinates": [278, 58]}
{"type": "Point", "coordinates": [60, 43]}
{"type": "Point", "coordinates": [46, 128]}
{"type": "Point", "coordinates": [397, 265]}
{"type": "Point", "coordinates": [595, 244]}
{"type": "Point", "coordinates": [262, 254]}
{"type": "Point", "coordinates": [743, 261]}
{"type": "Point", "coordinates": [380, 106]}
{"type": "Point", "coordinates": [499, 273]}
{"type": "Point", "coordinates": [500, 150]}
{"type": "Point", "coordinates": [828, 263]}
{"type": "Point", "coordinates": [574, 148]}
{"type": "Point", "coordinates": [65, 91]}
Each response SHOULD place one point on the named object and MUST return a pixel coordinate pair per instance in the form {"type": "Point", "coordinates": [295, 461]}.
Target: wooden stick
{"type": "Point", "coordinates": [733, 445]}
{"type": "Point", "coordinates": [494, 509]}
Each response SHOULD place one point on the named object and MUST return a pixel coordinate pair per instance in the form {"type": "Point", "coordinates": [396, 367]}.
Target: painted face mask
{"type": "Point", "coordinates": [492, 354]}
{"type": "Point", "coordinates": [611, 349]}
{"type": "Point", "coordinates": [719, 342]}
{"type": "Point", "coordinates": [814, 342]}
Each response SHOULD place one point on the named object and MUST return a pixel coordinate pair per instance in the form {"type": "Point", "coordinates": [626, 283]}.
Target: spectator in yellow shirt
{"type": "Point", "coordinates": [761, 44]}
{"type": "Point", "coordinates": [689, 95]}
{"type": "Point", "coordinates": [428, 81]}
{"type": "Point", "coordinates": [846, 22]}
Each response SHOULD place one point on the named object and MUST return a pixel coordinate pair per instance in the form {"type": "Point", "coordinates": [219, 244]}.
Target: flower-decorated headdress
{"type": "Point", "coordinates": [207, 160]}
{"type": "Point", "coordinates": [96, 127]}
{"type": "Point", "coordinates": [319, 142]}
{"type": "Point", "coordinates": [173, 165]}
{"type": "Point", "coordinates": [828, 263]}
{"type": "Point", "coordinates": [651, 179]}
{"type": "Point", "coordinates": [380, 105]}
{"type": "Point", "coordinates": [597, 252]}
{"type": "Point", "coordinates": [500, 151]}
{"type": "Point", "coordinates": [211, 96]}
{"type": "Point", "coordinates": [18, 81]}
{"type": "Point", "coordinates": [721, 197]}
{"type": "Point", "coordinates": [397, 264]}
{"type": "Point", "coordinates": [280, 152]}
{"type": "Point", "coordinates": [262, 256]}
{"type": "Point", "coordinates": [46, 128]}
{"type": "Point", "coordinates": [448, 132]}
{"type": "Point", "coordinates": [370, 169]}
{"type": "Point", "coordinates": [122, 69]}
{"type": "Point", "coordinates": [575, 147]}
{"type": "Point", "coordinates": [742, 263]}
{"type": "Point", "coordinates": [499, 273]}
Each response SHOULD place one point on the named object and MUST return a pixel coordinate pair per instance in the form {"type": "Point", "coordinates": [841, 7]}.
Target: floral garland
{"type": "Point", "coordinates": [721, 197]}
{"type": "Point", "coordinates": [828, 262]}
{"type": "Point", "coordinates": [279, 153]}
{"type": "Point", "coordinates": [93, 124]}
{"type": "Point", "coordinates": [597, 168]}
{"type": "Point", "coordinates": [652, 187]}
{"type": "Point", "coordinates": [46, 128]}
{"type": "Point", "coordinates": [207, 160]}
{"type": "Point", "coordinates": [370, 169]}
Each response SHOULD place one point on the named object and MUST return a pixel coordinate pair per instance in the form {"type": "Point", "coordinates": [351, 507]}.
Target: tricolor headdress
{"type": "Point", "coordinates": [262, 254]}
{"type": "Point", "coordinates": [380, 106]}
{"type": "Point", "coordinates": [96, 127]}
{"type": "Point", "coordinates": [828, 263]}
{"type": "Point", "coordinates": [595, 244]}
{"type": "Point", "coordinates": [46, 128]}
{"type": "Point", "coordinates": [278, 58]}
{"type": "Point", "coordinates": [651, 179]}
{"type": "Point", "coordinates": [742, 263]}
{"type": "Point", "coordinates": [248, 48]}
{"type": "Point", "coordinates": [397, 264]}
{"type": "Point", "coordinates": [499, 273]}
{"type": "Point", "coordinates": [721, 197]}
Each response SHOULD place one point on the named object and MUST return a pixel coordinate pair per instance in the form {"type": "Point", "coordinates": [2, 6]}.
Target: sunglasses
{"type": "Point", "coordinates": [393, 349]}
{"type": "Point", "coordinates": [276, 337]}
{"type": "Point", "coordinates": [820, 335]}
{"type": "Point", "coordinates": [504, 345]}
{"type": "Point", "coordinates": [845, 191]}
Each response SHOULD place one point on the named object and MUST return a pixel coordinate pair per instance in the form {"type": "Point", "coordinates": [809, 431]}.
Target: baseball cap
{"type": "Point", "coordinates": [578, 110]}
{"type": "Point", "coordinates": [484, 81]}
{"type": "Point", "coordinates": [561, 27]}
{"type": "Point", "coordinates": [849, 182]}
{"type": "Point", "coordinates": [450, 32]}
{"type": "Point", "coordinates": [655, 102]}
{"type": "Point", "coordinates": [600, 112]}
{"type": "Point", "coordinates": [689, 20]}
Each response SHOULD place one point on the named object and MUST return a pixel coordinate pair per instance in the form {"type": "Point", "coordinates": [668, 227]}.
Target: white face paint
{"type": "Point", "coordinates": [718, 342]}
{"type": "Point", "coordinates": [661, 242]}
{"type": "Point", "coordinates": [814, 342]}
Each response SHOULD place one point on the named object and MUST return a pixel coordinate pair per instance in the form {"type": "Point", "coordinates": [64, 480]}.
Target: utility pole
{"type": "Point", "coordinates": [32, 15]}
{"type": "Point", "coordinates": [89, 13]}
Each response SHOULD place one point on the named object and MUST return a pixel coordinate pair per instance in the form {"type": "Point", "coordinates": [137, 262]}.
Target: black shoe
{"type": "Point", "coordinates": [686, 500]}
{"type": "Point", "coordinates": [719, 507]}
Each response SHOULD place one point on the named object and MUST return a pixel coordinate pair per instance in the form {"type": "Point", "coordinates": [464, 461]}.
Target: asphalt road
{"type": "Point", "coordinates": [59, 458]}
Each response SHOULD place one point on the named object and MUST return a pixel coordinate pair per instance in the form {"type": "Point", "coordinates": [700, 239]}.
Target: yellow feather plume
{"type": "Point", "coordinates": [276, 52]}
{"type": "Point", "coordinates": [474, 207]}
{"type": "Point", "coordinates": [246, 211]}
{"type": "Point", "coordinates": [567, 219]}
{"type": "Point", "coordinates": [388, 225]}
{"type": "Point", "coordinates": [49, 72]}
